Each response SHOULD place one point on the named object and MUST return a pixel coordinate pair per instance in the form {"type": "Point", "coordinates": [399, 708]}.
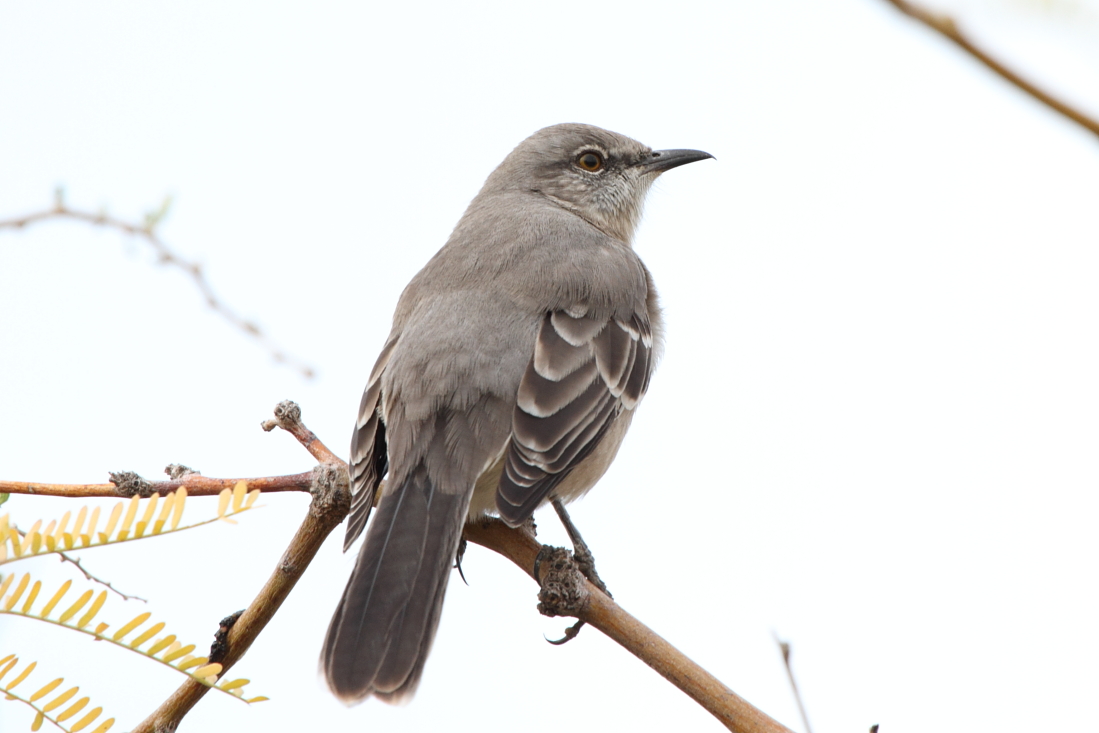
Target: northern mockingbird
{"type": "Point", "coordinates": [516, 359]}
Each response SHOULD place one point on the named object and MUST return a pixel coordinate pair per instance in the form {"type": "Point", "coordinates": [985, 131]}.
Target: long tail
{"type": "Point", "coordinates": [382, 630]}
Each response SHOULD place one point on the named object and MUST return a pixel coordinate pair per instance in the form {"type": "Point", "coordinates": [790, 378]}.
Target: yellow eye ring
{"type": "Point", "coordinates": [590, 161]}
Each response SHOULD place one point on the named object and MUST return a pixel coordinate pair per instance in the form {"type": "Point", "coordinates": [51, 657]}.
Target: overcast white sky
{"type": "Point", "coordinates": [874, 431]}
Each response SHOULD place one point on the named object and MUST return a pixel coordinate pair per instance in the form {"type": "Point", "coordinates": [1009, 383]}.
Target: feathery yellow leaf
{"type": "Point", "coordinates": [22, 676]}
{"type": "Point", "coordinates": [96, 605]}
{"type": "Point", "coordinates": [133, 624]}
{"type": "Point", "coordinates": [56, 598]}
{"type": "Point", "coordinates": [72, 610]}
{"type": "Point", "coordinates": [32, 596]}
{"type": "Point", "coordinates": [83, 722]}
{"type": "Point", "coordinates": [15, 594]}
{"type": "Point", "coordinates": [47, 689]}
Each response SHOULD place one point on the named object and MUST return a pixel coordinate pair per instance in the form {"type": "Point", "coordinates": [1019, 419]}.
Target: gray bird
{"type": "Point", "coordinates": [517, 357]}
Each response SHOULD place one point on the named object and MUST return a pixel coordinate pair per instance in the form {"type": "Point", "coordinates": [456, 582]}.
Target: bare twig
{"type": "Point", "coordinates": [76, 561]}
{"type": "Point", "coordinates": [288, 417]}
{"type": "Point", "coordinates": [784, 647]}
{"type": "Point", "coordinates": [165, 256]}
{"type": "Point", "coordinates": [946, 25]}
{"type": "Point", "coordinates": [196, 486]}
{"type": "Point", "coordinates": [599, 611]}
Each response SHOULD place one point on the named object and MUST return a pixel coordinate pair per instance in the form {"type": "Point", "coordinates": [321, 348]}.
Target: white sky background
{"type": "Point", "coordinates": [874, 431]}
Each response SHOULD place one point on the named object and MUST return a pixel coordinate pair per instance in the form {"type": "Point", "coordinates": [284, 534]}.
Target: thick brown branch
{"type": "Point", "coordinates": [945, 25]}
{"type": "Point", "coordinates": [196, 486]}
{"type": "Point", "coordinates": [603, 613]}
{"type": "Point", "coordinates": [166, 256]}
{"type": "Point", "coordinates": [331, 501]}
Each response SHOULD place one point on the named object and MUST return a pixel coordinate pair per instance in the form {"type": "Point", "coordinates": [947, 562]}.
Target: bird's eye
{"type": "Point", "coordinates": [590, 161]}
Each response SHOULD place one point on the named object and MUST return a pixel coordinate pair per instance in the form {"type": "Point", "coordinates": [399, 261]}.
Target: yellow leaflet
{"type": "Point", "coordinates": [238, 495]}
{"type": "Point", "coordinates": [60, 699]}
{"type": "Point", "coordinates": [258, 698]}
{"type": "Point", "coordinates": [5, 583]}
{"type": "Point", "coordinates": [161, 645]}
{"type": "Point", "coordinates": [10, 661]}
{"type": "Point", "coordinates": [100, 628]}
{"type": "Point", "coordinates": [96, 605]}
{"type": "Point", "coordinates": [104, 726]}
{"type": "Point", "coordinates": [112, 521]}
{"type": "Point", "coordinates": [51, 542]}
{"type": "Point", "coordinates": [31, 596]}
{"type": "Point", "coordinates": [63, 525]}
{"type": "Point", "coordinates": [234, 684]}
{"type": "Point", "coordinates": [133, 624]}
{"type": "Point", "coordinates": [177, 508]}
{"type": "Point", "coordinates": [131, 512]}
{"type": "Point", "coordinates": [67, 540]}
{"type": "Point", "coordinates": [83, 722]}
{"type": "Point", "coordinates": [16, 545]}
{"type": "Point", "coordinates": [149, 633]}
{"type": "Point", "coordinates": [150, 509]}
{"type": "Point", "coordinates": [74, 608]}
{"type": "Point", "coordinates": [14, 597]}
{"type": "Point", "coordinates": [192, 662]}
{"type": "Point", "coordinates": [22, 675]}
{"type": "Point", "coordinates": [37, 724]}
{"type": "Point", "coordinates": [92, 522]}
{"type": "Point", "coordinates": [43, 691]}
{"type": "Point", "coordinates": [181, 652]}
{"type": "Point", "coordinates": [223, 501]}
{"type": "Point", "coordinates": [252, 496]}
{"type": "Point", "coordinates": [79, 524]}
{"type": "Point", "coordinates": [56, 598]}
{"type": "Point", "coordinates": [139, 530]}
{"type": "Point", "coordinates": [73, 709]}
{"type": "Point", "coordinates": [207, 670]}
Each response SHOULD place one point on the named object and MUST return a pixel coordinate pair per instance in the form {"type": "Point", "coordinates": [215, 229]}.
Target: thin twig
{"type": "Point", "coordinates": [76, 561]}
{"type": "Point", "coordinates": [784, 647]}
{"type": "Point", "coordinates": [196, 486]}
{"type": "Point", "coordinates": [165, 256]}
{"type": "Point", "coordinates": [946, 25]}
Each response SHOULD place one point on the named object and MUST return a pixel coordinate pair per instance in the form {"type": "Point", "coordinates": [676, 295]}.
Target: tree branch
{"type": "Point", "coordinates": [603, 613]}
{"type": "Point", "coordinates": [946, 26]}
{"type": "Point", "coordinates": [165, 256]}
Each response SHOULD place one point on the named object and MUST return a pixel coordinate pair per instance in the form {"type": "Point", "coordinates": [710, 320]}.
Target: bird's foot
{"type": "Point", "coordinates": [585, 561]}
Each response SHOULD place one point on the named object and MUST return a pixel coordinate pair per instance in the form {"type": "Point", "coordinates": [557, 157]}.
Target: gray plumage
{"type": "Point", "coordinates": [516, 359]}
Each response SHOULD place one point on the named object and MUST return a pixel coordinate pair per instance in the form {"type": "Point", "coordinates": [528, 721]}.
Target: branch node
{"type": "Point", "coordinates": [220, 647]}
{"type": "Point", "coordinates": [178, 470]}
{"type": "Point", "coordinates": [562, 591]}
{"type": "Point", "coordinates": [287, 416]}
{"type": "Point", "coordinates": [128, 483]}
{"type": "Point", "coordinates": [331, 491]}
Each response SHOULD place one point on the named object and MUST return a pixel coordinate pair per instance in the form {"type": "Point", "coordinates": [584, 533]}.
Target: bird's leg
{"type": "Point", "coordinates": [585, 561]}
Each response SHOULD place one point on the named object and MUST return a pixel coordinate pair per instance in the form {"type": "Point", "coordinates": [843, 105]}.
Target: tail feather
{"type": "Point", "coordinates": [383, 628]}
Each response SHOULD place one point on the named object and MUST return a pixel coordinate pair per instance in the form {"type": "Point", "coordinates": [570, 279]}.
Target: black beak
{"type": "Point", "coordinates": [659, 161]}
